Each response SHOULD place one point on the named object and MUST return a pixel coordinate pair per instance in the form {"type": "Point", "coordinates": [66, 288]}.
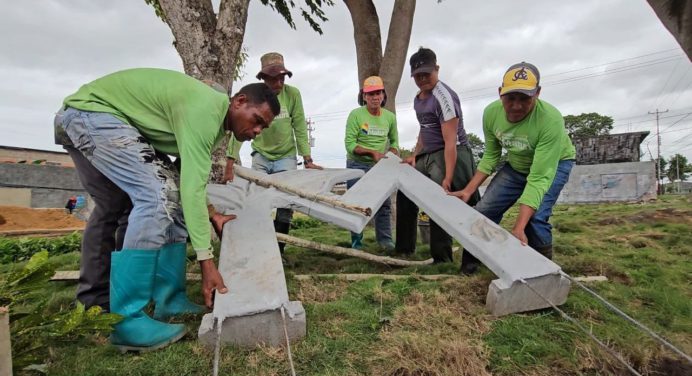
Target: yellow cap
{"type": "Point", "coordinates": [522, 78]}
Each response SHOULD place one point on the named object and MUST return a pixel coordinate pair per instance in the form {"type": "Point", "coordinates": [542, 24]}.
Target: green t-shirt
{"type": "Point", "coordinates": [534, 146]}
{"type": "Point", "coordinates": [286, 132]}
{"type": "Point", "coordinates": [179, 116]}
{"type": "Point", "coordinates": [371, 132]}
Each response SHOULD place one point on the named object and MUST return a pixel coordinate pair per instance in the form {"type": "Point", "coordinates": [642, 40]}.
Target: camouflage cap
{"type": "Point", "coordinates": [273, 65]}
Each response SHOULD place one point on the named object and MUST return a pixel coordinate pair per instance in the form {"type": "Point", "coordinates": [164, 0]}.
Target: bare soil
{"type": "Point", "coordinates": [19, 218]}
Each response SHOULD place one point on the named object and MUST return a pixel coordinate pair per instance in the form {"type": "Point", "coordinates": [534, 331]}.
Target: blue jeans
{"type": "Point", "coordinates": [506, 188]}
{"type": "Point", "coordinates": [261, 163]}
{"type": "Point", "coordinates": [124, 156]}
{"type": "Point", "coordinates": [383, 222]}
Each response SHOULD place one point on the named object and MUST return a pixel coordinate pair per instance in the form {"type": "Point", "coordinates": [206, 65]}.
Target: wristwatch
{"type": "Point", "coordinates": [307, 160]}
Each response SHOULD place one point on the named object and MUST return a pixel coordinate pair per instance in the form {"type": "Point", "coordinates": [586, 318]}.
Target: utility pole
{"type": "Point", "coordinates": [310, 129]}
{"type": "Point", "coordinates": [658, 141]}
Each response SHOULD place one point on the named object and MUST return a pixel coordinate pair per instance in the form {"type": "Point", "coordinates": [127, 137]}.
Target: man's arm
{"type": "Point", "coordinates": [300, 129]}
{"type": "Point", "coordinates": [232, 155]}
{"type": "Point", "coordinates": [449, 134]}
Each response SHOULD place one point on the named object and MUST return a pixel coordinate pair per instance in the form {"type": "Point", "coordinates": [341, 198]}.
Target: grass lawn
{"type": "Point", "coordinates": [412, 327]}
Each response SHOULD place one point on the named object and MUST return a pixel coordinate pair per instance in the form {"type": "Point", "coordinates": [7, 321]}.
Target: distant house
{"type": "Point", "coordinates": [612, 148]}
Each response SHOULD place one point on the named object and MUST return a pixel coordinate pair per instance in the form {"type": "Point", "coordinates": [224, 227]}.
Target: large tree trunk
{"type": "Point", "coordinates": [398, 39]}
{"type": "Point", "coordinates": [676, 16]}
{"type": "Point", "coordinates": [208, 45]}
{"type": "Point", "coordinates": [366, 33]}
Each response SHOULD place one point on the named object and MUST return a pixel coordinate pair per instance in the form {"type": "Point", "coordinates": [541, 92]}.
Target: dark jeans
{"type": "Point", "coordinates": [104, 231]}
{"type": "Point", "coordinates": [383, 217]}
{"type": "Point", "coordinates": [432, 165]}
{"type": "Point", "coordinates": [506, 188]}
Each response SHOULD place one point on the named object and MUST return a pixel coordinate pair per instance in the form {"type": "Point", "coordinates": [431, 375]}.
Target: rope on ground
{"type": "Point", "coordinates": [610, 351]}
{"type": "Point", "coordinates": [630, 319]}
{"type": "Point", "coordinates": [288, 341]}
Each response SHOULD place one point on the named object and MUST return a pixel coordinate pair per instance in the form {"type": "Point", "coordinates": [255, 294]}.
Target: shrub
{"type": "Point", "coordinates": [21, 249]}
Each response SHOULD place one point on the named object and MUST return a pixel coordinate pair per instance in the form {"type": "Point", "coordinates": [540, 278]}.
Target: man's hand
{"type": "Point", "coordinates": [313, 166]}
{"type": "Point", "coordinates": [463, 195]}
{"type": "Point", "coordinates": [211, 280]}
{"type": "Point", "coordinates": [377, 156]}
{"type": "Point", "coordinates": [447, 184]}
{"type": "Point", "coordinates": [218, 220]}
{"type": "Point", "coordinates": [410, 160]}
{"type": "Point", "coordinates": [228, 171]}
{"type": "Point", "coordinates": [520, 234]}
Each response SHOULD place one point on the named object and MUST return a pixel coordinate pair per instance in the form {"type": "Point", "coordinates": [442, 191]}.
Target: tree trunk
{"type": "Point", "coordinates": [398, 39]}
{"type": "Point", "coordinates": [676, 16]}
{"type": "Point", "coordinates": [366, 34]}
{"type": "Point", "coordinates": [208, 46]}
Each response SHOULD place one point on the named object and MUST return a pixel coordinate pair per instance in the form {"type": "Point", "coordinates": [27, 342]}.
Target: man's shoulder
{"type": "Point", "coordinates": [547, 108]}
{"type": "Point", "coordinates": [442, 91]}
{"type": "Point", "coordinates": [291, 90]}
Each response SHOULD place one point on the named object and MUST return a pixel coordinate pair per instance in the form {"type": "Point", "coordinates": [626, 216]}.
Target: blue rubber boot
{"type": "Point", "coordinates": [132, 285]}
{"type": "Point", "coordinates": [356, 240]}
{"type": "Point", "coordinates": [169, 284]}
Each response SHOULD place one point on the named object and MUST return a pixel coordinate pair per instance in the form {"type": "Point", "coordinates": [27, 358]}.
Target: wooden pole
{"type": "Point", "coordinates": [348, 251]}
{"type": "Point", "coordinates": [306, 195]}
{"type": "Point", "coordinates": [5, 347]}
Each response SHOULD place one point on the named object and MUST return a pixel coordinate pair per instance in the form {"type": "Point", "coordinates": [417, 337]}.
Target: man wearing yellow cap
{"type": "Point", "coordinates": [370, 132]}
{"type": "Point", "coordinates": [540, 156]}
{"type": "Point", "coordinates": [275, 149]}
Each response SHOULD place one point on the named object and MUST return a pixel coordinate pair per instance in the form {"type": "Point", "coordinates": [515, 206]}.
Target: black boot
{"type": "Point", "coordinates": [469, 263]}
{"type": "Point", "coordinates": [282, 227]}
{"type": "Point", "coordinates": [545, 250]}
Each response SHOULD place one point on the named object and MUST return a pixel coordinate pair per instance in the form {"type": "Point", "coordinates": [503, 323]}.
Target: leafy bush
{"type": "Point", "coordinates": [21, 249]}
{"type": "Point", "coordinates": [304, 222]}
{"type": "Point", "coordinates": [32, 325]}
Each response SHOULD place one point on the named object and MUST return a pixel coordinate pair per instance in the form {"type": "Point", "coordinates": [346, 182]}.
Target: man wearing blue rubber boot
{"type": "Point", "coordinates": [122, 123]}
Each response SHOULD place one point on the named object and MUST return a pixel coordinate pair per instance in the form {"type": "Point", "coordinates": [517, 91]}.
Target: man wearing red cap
{"type": "Point", "coordinates": [540, 156]}
{"type": "Point", "coordinates": [275, 149]}
{"type": "Point", "coordinates": [371, 132]}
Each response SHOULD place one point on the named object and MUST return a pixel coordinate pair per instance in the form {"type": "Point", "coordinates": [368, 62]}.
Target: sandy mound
{"type": "Point", "coordinates": [18, 218]}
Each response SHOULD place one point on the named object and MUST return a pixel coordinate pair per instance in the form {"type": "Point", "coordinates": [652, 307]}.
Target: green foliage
{"type": "Point", "coordinates": [678, 168]}
{"type": "Point", "coordinates": [21, 249]}
{"type": "Point", "coordinates": [157, 8]}
{"type": "Point", "coordinates": [477, 146]}
{"type": "Point", "coordinates": [299, 222]}
{"type": "Point", "coordinates": [586, 125]}
{"type": "Point", "coordinates": [33, 326]}
{"type": "Point", "coordinates": [313, 17]}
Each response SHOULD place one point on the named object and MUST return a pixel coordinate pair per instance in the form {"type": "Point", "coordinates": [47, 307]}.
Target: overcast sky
{"type": "Point", "coordinates": [613, 57]}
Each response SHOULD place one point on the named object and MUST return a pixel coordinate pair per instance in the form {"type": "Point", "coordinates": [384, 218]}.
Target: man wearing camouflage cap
{"type": "Point", "coordinates": [276, 148]}
{"type": "Point", "coordinates": [540, 156]}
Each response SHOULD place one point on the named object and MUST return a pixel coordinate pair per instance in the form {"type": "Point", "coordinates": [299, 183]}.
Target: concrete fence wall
{"type": "Point", "coordinates": [610, 182]}
{"type": "Point", "coordinates": [49, 186]}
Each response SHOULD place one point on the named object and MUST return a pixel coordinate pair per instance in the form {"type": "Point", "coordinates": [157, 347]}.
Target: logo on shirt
{"type": "Point", "coordinates": [282, 115]}
{"type": "Point", "coordinates": [366, 129]}
{"type": "Point", "coordinates": [514, 143]}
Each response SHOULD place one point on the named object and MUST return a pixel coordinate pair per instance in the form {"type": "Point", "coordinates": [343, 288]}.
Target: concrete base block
{"type": "Point", "coordinates": [260, 328]}
{"type": "Point", "coordinates": [503, 300]}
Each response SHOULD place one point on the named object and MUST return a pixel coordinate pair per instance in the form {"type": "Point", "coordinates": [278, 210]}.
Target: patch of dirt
{"type": "Point", "coordinates": [670, 215]}
{"type": "Point", "coordinates": [671, 367]}
{"type": "Point", "coordinates": [610, 221]}
{"type": "Point", "coordinates": [19, 218]}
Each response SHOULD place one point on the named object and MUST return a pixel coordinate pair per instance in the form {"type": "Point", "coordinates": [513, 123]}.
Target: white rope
{"type": "Point", "coordinates": [288, 341]}
{"type": "Point", "coordinates": [630, 319]}
{"type": "Point", "coordinates": [610, 351]}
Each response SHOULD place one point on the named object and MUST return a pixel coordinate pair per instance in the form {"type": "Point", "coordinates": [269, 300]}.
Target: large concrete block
{"type": "Point", "coordinates": [503, 300]}
{"type": "Point", "coordinates": [260, 328]}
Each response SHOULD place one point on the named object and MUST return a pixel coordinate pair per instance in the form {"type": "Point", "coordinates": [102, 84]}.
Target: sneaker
{"type": "Point", "coordinates": [387, 246]}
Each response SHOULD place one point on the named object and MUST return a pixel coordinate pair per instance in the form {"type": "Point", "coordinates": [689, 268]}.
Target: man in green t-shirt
{"type": "Point", "coordinates": [124, 125]}
{"type": "Point", "coordinates": [275, 149]}
{"type": "Point", "coordinates": [371, 132]}
{"type": "Point", "coordinates": [540, 156]}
